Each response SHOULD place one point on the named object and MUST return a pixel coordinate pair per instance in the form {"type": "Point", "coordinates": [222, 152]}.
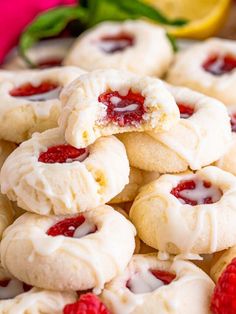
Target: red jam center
{"type": "Point", "coordinates": [123, 110]}
{"type": "Point", "coordinates": [29, 90]}
{"type": "Point", "coordinates": [219, 65]}
{"type": "Point", "coordinates": [63, 154]}
{"type": "Point", "coordinates": [196, 192]}
{"type": "Point", "coordinates": [233, 122]}
{"type": "Point", "coordinates": [185, 110]}
{"type": "Point", "coordinates": [10, 288]}
{"type": "Point", "coordinates": [49, 63]}
{"type": "Point", "coordinates": [116, 43]}
{"type": "Point", "coordinates": [149, 280]}
{"type": "Point", "coordinates": [76, 227]}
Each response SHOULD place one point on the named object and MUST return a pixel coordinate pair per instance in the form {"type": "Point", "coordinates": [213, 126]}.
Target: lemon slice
{"type": "Point", "coordinates": [205, 16]}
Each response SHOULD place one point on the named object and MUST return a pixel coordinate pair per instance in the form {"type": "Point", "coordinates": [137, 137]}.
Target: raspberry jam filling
{"type": "Point", "coordinates": [220, 64]}
{"type": "Point", "coordinates": [49, 63]}
{"type": "Point", "coordinates": [196, 192]}
{"type": "Point", "coordinates": [149, 280]}
{"type": "Point", "coordinates": [125, 110]}
{"type": "Point", "coordinates": [233, 122]}
{"type": "Point", "coordinates": [63, 154]}
{"type": "Point", "coordinates": [10, 288]}
{"type": "Point", "coordinates": [185, 110]}
{"type": "Point", "coordinates": [115, 43]}
{"type": "Point", "coordinates": [76, 227]}
{"type": "Point", "coordinates": [42, 92]}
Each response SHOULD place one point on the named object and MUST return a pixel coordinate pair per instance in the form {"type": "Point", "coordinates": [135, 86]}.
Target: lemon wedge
{"type": "Point", "coordinates": [205, 16]}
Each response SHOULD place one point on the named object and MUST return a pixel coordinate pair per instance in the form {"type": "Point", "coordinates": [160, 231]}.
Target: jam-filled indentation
{"type": "Point", "coordinates": [63, 154]}
{"type": "Point", "coordinates": [115, 43]}
{"type": "Point", "coordinates": [74, 227]}
{"type": "Point", "coordinates": [185, 110]}
{"type": "Point", "coordinates": [233, 122]}
{"type": "Point", "coordinates": [49, 63]}
{"type": "Point", "coordinates": [10, 288]}
{"type": "Point", "coordinates": [124, 110]}
{"type": "Point", "coordinates": [196, 192]}
{"type": "Point", "coordinates": [220, 64]}
{"type": "Point", "coordinates": [42, 92]}
{"type": "Point", "coordinates": [147, 281]}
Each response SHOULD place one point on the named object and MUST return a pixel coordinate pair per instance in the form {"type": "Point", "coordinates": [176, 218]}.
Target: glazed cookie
{"type": "Point", "coordinates": [18, 298]}
{"type": "Point", "coordinates": [106, 102]}
{"type": "Point", "coordinates": [208, 67]}
{"type": "Point", "coordinates": [7, 213]}
{"type": "Point", "coordinates": [29, 100]}
{"type": "Point", "coordinates": [187, 213]}
{"type": "Point", "coordinates": [227, 162]}
{"type": "Point", "coordinates": [47, 176]}
{"type": "Point", "coordinates": [37, 249]}
{"type": "Point", "coordinates": [201, 136]}
{"type": "Point", "coordinates": [48, 53]}
{"type": "Point", "coordinates": [152, 286]}
{"type": "Point", "coordinates": [129, 45]}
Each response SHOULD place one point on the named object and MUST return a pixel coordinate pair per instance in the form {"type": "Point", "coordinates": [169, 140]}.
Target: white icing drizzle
{"type": "Point", "coordinates": [144, 282]}
{"type": "Point", "coordinates": [216, 67]}
{"type": "Point", "coordinates": [85, 228]}
{"type": "Point", "coordinates": [52, 94]}
{"type": "Point", "coordinates": [14, 288]}
{"type": "Point", "coordinates": [109, 45]}
{"type": "Point", "coordinates": [131, 107]}
{"type": "Point", "coordinates": [200, 193]}
{"type": "Point", "coordinates": [115, 100]}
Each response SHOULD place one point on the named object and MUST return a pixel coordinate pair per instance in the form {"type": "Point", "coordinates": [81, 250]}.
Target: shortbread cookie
{"type": "Point", "coordinates": [29, 100]}
{"type": "Point", "coordinates": [92, 247]}
{"type": "Point", "coordinates": [106, 102]}
{"type": "Point", "coordinates": [228, 161]}
{"type": "Point", "coordinates": [6, 148]}
{"type": "Point", "coordinates": [18, 298]}
{"type": "Point", "coordinates": [47, 176]}
{"type": "Point", "coordinates": [46, 54]}
{"type": "Point", "coordinates": [152, 286]}
{"type": "Point", "coordinates": [208, 67]}
{"type": "Point", "coordinates": [136, 46]}
{"type": "Point", "coordinates": [7, 213]}
{"type": "Point", "coordinates": [188, 213]}
{"type": "Point", "coordinates": [130, 191]}
{"type": "Point", "coordinates": [221, 264]}
{"type": "Point", "coordinates": [201, 136]}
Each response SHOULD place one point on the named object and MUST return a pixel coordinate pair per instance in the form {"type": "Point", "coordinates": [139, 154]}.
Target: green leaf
{"type": "Point", "coordinates": [49, 24]}
{"type": "Point", "coordinates": [102, 10]}
{"type": "Point", "coordinates": [172, 40]}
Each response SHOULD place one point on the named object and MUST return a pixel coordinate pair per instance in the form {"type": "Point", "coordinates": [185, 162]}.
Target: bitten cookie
{"type": "Point", "coordinates": [106, 102]}
{"type": "Point", "coordinates": [38, 249]}
{"type": "Point", "coordinates": [29, 100]}
{"type": "Point", "coordinates": [201, 136]}
{"type": "Point", "coordinates": [208, 67]}
{"type": "Point", "coordinates": [18, 298]}
{"type": "Point", "coordinates": [46, 175]}
{"type": "Point", "coordinates": [136, 46]}
{"type": "Point", "coordinates": [187, 213]}
{"type": "Point", "coordinates": [152, 286]}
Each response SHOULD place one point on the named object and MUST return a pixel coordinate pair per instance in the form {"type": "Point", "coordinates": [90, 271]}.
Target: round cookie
{"type": "Point", "coordinates": [106, 102]}
{"type": "Point", "coordinates": [29, 100]}
{"type": "Point", "coordinates": [44, 54]}
{"type": "Point", "coordinates": [19, 298]}
{"type": "Point", "coordinates": [187, 213]}
{"type": "Point", "coordinates": [37, 249]}
{"type": "Point", "coordinates": [227, 162]}
{"type": "Point", "coordinates": [152, 286]}
{"type": "Point", "coordinates": [7, 213]}
{"type": "Point", "coordinates": [208, 67]}
{"type": "Point", "coordinates": [46, 175]}
{"type": "Point", "coordinates": [201, 136]}
{"type": "Point", "coordinates": [129, 45]}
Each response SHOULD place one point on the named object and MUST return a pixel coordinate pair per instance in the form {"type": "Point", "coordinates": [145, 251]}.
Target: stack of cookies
{"type": "Point", "coordinates": [118, 188]}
